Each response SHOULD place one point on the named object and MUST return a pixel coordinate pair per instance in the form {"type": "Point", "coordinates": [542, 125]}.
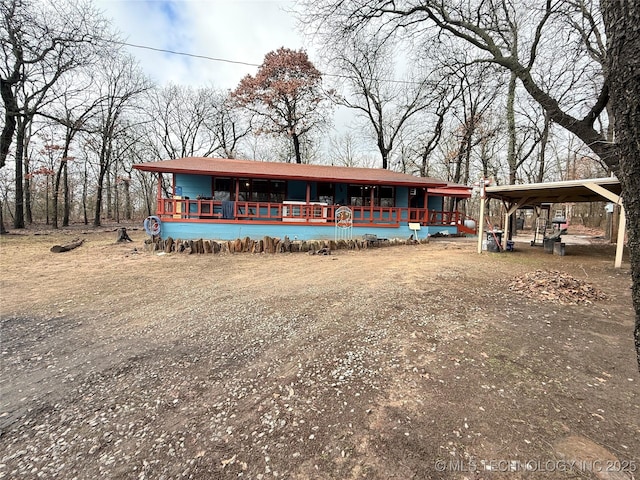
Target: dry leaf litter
{"type": "Point", "coordinates": [556, 287]}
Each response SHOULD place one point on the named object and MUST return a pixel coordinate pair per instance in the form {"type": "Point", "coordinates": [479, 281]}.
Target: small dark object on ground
{"type": "Point", "coordinates": [123, 236]}
{"type": "Point", "coordinates": [322, 251]}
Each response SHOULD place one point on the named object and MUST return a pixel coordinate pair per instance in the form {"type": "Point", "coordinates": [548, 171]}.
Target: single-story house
{"type": "Point", "coordinates": [227, 199]}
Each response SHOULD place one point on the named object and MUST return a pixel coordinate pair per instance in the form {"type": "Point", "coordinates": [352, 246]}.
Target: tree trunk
{"type": "Point", "coordinates": [46, 200]}
{"type": "Point", "coordinates": [18, 219]}
{"type": "Point", "coordinates": [28, 212]}
{"type": "Point", "coordinates": [85, 187]}
{"type": "Point", "coordinates": [10, 113]}
{"type": "Point", "coordinates": [127, 199]}
{"type": "Point", "coordinates": [67, 202]}
{"type": "Point", "coordinates": [98, 211]}
{"type": "Point", "coordinates": [622, 24]}
{"type": "Point", "coordinates": [296, 147]}
{"type": "Point", "coordinates": [107, 187]}
{"type": "Point", "coordinates": [123, 236]}
{"type": "Point", "coordinates": [544, 139]}
{"type": "Point", "coordinates": [3, 230]}
{"type": "Point", "coordinates": [512, 161]}
{"type": "Point", "coordinates": [56, 193]}
{"type": "Point", "coordinates": [105, 160]}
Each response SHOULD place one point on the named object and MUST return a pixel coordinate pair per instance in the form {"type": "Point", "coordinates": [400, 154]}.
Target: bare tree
{"type": "Point", "coordinates": [344, 150]}
{"type": "Point", "coordinates": [425, 143]}
{"type": "Point", "coordinates": [120, 83]}
{"type": "Point", "coordinates": [476, 92]}
{"type": "Point", "coordinates": [72, 109]}
{"type": "Point", "coordinates": [365, 63]}
{"type": "Point", "coordinates": [40, 43]}
{"type": "Point", "coordinates": [178, 117]}
{"type": "Point", "coordinates": [228, 124]}
{"type": "Point", "coordinates": [484, 27]}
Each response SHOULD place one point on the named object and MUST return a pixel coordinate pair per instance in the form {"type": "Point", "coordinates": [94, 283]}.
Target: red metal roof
{"type": "Point", "coordinates": [288, 171]}
{"type": "Point", "coordinates": [452, 190]}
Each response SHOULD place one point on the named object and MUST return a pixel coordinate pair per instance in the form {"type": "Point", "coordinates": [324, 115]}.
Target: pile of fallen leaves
{"type": "Point", "coordinates": [556, 287]}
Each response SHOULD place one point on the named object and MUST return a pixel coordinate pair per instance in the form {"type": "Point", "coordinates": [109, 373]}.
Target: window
{"type": "Point", "coordinates": [260, 191]}
{"type": "Point", "coordinates": [222, 188]}
{"type": "Point", "coordinates": [354, 194]}
{"type": "Point", "coordinates": [326, 193]}
{"type": "Point", "coordinates": [244, 190]}
{"type": "Point", "coordinates": [387, 197]}
{"type": "Point", "coordinates": [277, 191]}
{"type": "Point", "coordinates": [361, 195]}
{"type": "Point", "coordinates": [249, 190]}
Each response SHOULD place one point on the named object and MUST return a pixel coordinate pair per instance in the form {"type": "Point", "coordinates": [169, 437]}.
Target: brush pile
{"type": "Point", "coordinates": [556, 287]}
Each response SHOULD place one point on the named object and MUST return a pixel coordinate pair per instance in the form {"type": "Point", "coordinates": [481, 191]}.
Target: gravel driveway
{"type": "Point", "coordinates": [401, 362]}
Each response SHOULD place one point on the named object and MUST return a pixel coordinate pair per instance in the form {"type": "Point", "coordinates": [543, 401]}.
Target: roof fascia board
{"type": "Point", "coordinates": [562, 184]}
{"type": "Point", "coordinates": [189, 171]}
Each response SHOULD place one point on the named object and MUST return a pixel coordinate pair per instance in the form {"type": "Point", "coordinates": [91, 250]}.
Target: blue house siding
{"type": "Point", "coordinates": [402, 197]}
{"type": "Point", "coordinates": [231, 231]}
{"type": "Point", "coordinates": [194, 185]}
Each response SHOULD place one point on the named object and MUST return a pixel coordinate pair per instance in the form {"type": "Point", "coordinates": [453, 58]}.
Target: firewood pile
{"type": "Point", "coordinates": [269, 245]}
{"type": "Point", "coordinates": [556, 287]}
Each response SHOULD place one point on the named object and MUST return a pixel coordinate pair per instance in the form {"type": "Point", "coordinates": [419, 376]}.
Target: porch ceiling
{"type": "Point", "coordinates": [289, 171]}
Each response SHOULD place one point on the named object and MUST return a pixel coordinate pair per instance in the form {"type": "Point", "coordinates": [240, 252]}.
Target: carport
{"type": "Point", "coordinates": [514, 197]}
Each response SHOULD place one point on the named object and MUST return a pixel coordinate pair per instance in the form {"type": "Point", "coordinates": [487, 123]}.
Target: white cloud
{"type": "Point", "coordinates": [240, 30]}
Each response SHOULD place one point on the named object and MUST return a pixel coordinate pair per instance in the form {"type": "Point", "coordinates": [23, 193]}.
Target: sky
{"type": "Point", "coordinates": [238, 30]}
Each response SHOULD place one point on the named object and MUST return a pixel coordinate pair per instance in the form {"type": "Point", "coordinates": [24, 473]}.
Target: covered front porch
{"type": "Point", "coordinates": [220, 198]}
{"type": "Point", "coordinates": [226, 211]}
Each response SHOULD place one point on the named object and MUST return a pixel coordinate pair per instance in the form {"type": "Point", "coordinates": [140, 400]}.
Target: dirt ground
{"type": "Point", "coordinates": [407, 362]}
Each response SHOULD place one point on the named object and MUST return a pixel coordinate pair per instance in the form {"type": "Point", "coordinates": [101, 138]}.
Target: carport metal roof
{"type": "Point", "coordinates": [591, 190]}
{"type": "Point", "coordinates": [588, 190]}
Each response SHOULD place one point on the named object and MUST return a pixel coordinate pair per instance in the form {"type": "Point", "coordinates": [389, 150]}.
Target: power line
{"type": "Point", "coordinates": [184, 54]}
{"type": "Point", "coordinates": [238, 62]}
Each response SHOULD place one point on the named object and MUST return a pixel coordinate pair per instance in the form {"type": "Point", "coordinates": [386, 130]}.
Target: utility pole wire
{"type": "Point", "coordinates": [238, 62]}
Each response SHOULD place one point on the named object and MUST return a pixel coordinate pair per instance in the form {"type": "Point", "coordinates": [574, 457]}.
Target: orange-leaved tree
{"type": "Point", "coordinates": [286, 94]}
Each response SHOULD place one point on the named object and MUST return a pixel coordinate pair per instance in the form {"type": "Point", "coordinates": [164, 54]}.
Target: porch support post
{"type": "Point", "coordinates": [237, 195]}
{"type": "Point", "coordinates": [426, 207]}
{"type": "Point", "coordinates": [308, 194]}
{"type": "Point", "coordinates": [371, 197]}
{"type": "Point", "coordinates": [481, 223]}
{"type": "Point", "coordinates": [620, 243]}
{"type": "Point", "coordinates": [159, 206]}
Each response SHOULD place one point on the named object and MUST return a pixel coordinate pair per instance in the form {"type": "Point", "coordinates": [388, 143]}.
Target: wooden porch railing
{"type": "Point", "coordinates": [198, 210]}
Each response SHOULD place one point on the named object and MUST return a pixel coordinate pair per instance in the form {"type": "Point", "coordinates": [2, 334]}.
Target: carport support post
{"type": "Point", "coordinates": [505, 235]}
{"type": "Point", "coordinates": [481, 223]}
{"type": "Point", "coordinates": [620, 243]}
{"type": "Point", "coordinates": [510, 210]}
